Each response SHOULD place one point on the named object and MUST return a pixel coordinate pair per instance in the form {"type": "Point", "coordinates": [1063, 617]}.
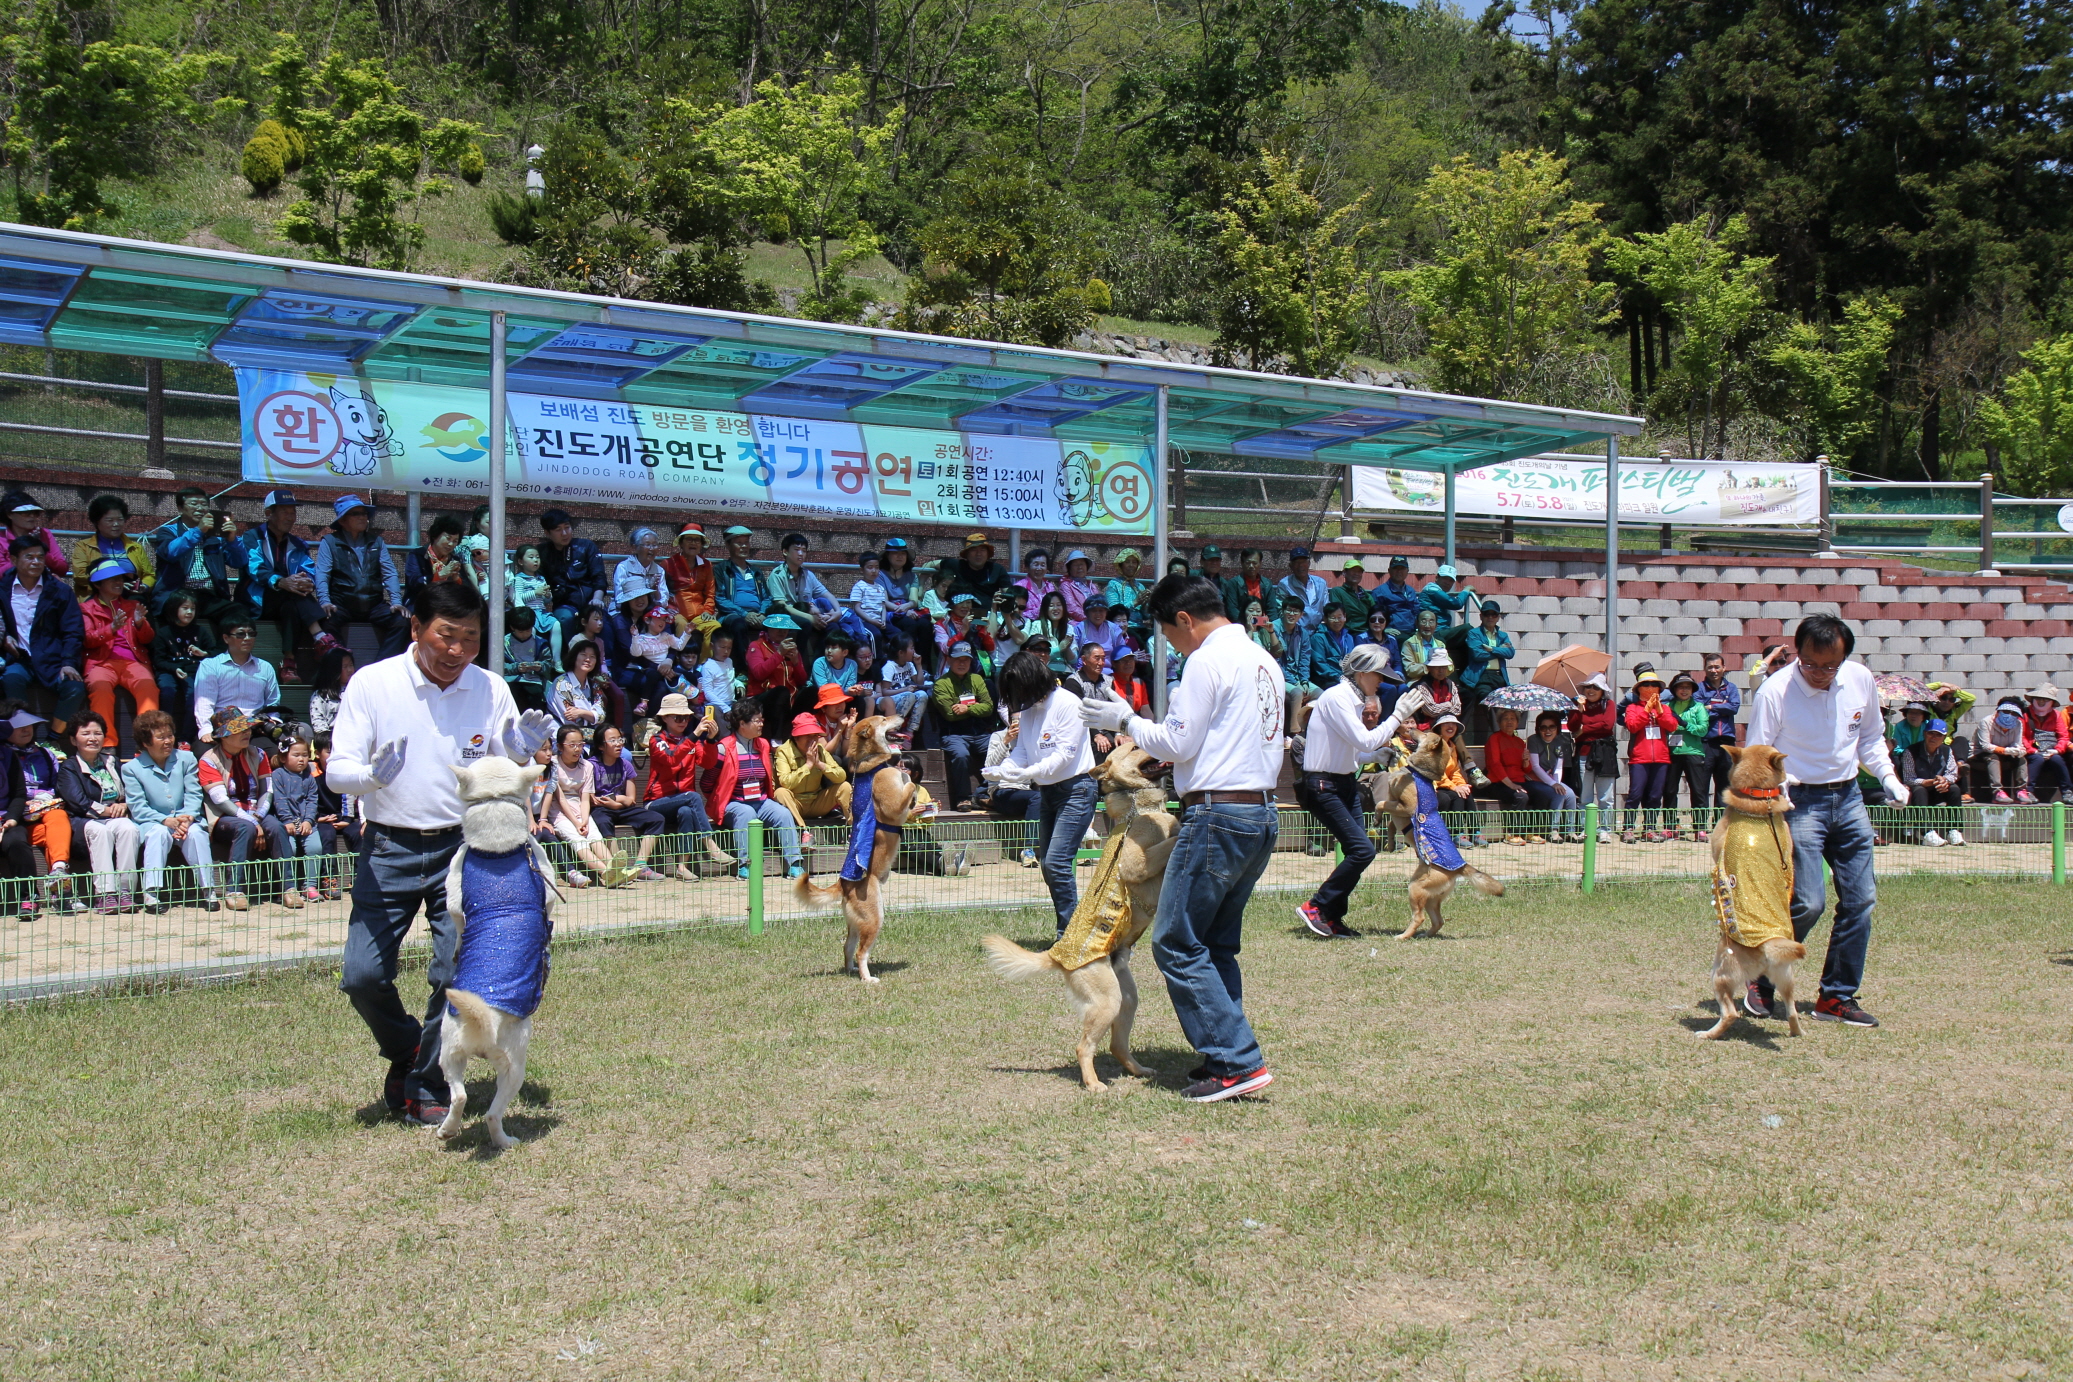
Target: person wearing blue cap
{"type": "Point", "coordinates": [109, 514]}
{"type": "Point", "coordinates": [117, 634]}
{"type": "Point", "coordinates": [1445, 595]}
{"type": "Point", "coordinates": [355, 578]}
{"type": "Point", "coordinates": [281, 571]}
{"type": "Point", "coordinates": [1929, 771]}
{"type": "Point", "coordinates": [1311, 590]}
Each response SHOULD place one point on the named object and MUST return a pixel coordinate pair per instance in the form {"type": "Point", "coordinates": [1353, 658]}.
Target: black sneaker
{"type": "Point", "coordinates": [1340, 928]}
{"type": "Point", "coordinates": [1216, 1088]}
{"type": "Point", "coordinates": [424, 1112]}
{"type": "Point", "coordinates": [1200, 1072]}
{"type": "Point", "coordinates": [392, 1086]}
{"type": "Point", "coordinates": [1756, 1003]}
{"type": "Point", "coordinates": [1844, 1010]}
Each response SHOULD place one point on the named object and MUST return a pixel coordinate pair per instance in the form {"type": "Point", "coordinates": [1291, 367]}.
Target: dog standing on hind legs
{"type": "Point", "coordinates": [883, 796]}
{"type": "Point", "coordinates": [1415, 806]}
{"type": "Point", "coordinates": [1119, 902]}
{"type": "Point", "coordinates": [1752, 886]}
{"type": "Point", "coordinates": [502, 904]}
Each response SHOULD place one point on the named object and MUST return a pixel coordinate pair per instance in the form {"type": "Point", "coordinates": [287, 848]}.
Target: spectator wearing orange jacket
{"type": "Point", "coordinates": [117, 640]}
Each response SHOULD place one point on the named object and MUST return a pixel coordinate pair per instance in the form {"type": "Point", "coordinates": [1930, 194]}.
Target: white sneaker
{"type": "Point", "coordinates": [1954, 838]}
{"type": "Point", "coordinates": [1933, 840]}
{"type": "Point", "coordinates": [1605, 837]}
{"type": "Point", "coordinates": [577, 879]}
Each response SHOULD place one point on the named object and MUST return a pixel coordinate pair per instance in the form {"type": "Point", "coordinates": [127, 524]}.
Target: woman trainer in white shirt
{"type": "Point", "coordinates": [1052, 755]}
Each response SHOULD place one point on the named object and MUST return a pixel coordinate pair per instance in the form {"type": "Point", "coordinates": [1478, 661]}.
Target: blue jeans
{"type": "Point", "coordinates": [959, 747]}
{"type": "Point", "coordinates": [1334, 798]}
{"type": "Point", "coordinates": [286, 847]}
{"type": "Point", "coordinates": [774, 817]}
{"type": "Point", "coordinates": [19, 679]}
{"type": "Point", "coordinates": [401, 870]}
{"type": "Point", "coordinates": [240, 833]}
{"type": "Point", "coordinates": [1064, 810]}
{"type": "Point", "coordinates": [1218, 854]}
{"type": "Point", "coordinates": [157, 842]}
{"type": "Point", "coordinates": [1830, 824]}
{"type": "Point", "coordinates": [683, 813]}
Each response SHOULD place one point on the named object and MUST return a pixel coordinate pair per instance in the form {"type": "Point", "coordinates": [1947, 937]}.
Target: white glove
{"type": "Point", "coordinates": [388, 760]}
{"type": "Point", "coordinates": [1007, 775]}
{"type": "Point", "coordinates": [524, 739]}
{"type": "Point", "coordinates": [1896, 791]}
{"type": "Point", "coordinates": [1104, 709]}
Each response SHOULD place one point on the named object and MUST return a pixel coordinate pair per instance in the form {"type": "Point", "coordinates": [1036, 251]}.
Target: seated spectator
{"type": "Point", "coordinates": [963, 626]}
{"type": "Point", "coordinates": [1096, 627]}
{"type": "Point", "coordinates": [1433, 695]}
{"type": "Point", "coordinates": [356, 580]}
{"type": "Point", "coordinates": [118, 640]}
{"type": "Point", "coordinates": [439, 559]}
{"type": "Point", "coordinates": [24, 515]}
{"type": "Point", "coordinates": [1077, 585]}
{"type": "Point", "coordinates": [1053, 624]}
{"type": "Point", "coordinates": [1906, 731]}
{"type": "Point", "coordinates": [1550, 755]}
{"type": "Point", "coordinates": [162, 785]}
{"type": "Point", "coordinates": [777, 669]}
{"type": "Point", "coordinates": [691, 584]}
{"type": "Point", "coordinates": [977, 574]}
{"type": "Point", "coordinates": [1213, 565]}
{"type": "Point", "coordinates": [571, 808]}
{"type": "Point", "coordinates": [2000, 761]}
{"type": "Point", "coordinates": [966, 707]}
{"type": "Point", "coordinates": [1328, 643]}
{"type": "Point", "coordinates": [870, 601]}
{"type": "Point", "coordinates": [903, 686]}
{"type": "Point", "coordinates": [183, 644]}
{"type": "Point", "coordinates": [532, 656]}
{"type": "Point", "coordinates": [1246, 588]}
{"type": "Point", "coordinates": [1304, 586]}
{"type": "Point", "coordinates": [1929, 771]}
{"type": "Point", "coordinates": [234, 679]}
{"type": "Point", "coordinates": [716, 674]}
{"type": "Point", "coordinates": [187, 551]}
{"type": "Point", "coordinates": [474, 549]}
{"type": "Point", "coordinates": [642, 573]}
{"type": "Point", "coordinates": [50, 826]}
{"type": "Point", "coordinates": [338, 817]}
{"type": "Point", "coordinates": [1504, 763]}
{"type": "Point", "coordinates": [934, 599]}
{"type": "Point", "coordinates": [1441, 597]}
{"type": "Point", "coordinates": [1398, 598]}
{"type": "Point", "coordinates": [1415, 648]}
{"type": "Point", "coordinates": [109, 514]}
{"type": "Point", "coordinates": [1349, 595]}
{"type": "Point", "coordinates": [741, 779]}
{"type": "Point", "coordinates": [1288, 642]}
{"type": "Point", "coordinates": [798, 593]}
{"type": "Point", "coordinates": [811, 784]}
{"type": "Point", "coordinates": [574, 569]}
{"type": "Point", "coordinates": [740, 591]}
{"type": "Point", "coordinates": [1125, 595]}
{"type": "Point", "coordinates": [281, 571]}
{"type": "Point", "coordinates": [835, 666]}
{"type": "Point", "coordinates": [237, 795]}
{"type": "Point", "coordinates": [577, 697]}
{"type": "Point", "coordinates": [644, 641]}
{"type": "Point", "coordinates": [617, 784]}
{"type": "Point", "coordinates": [49, 650]}
{"type": "Point", "coordinates": [1036, 583]}
{"type": "Point", "coordinates": [2049, 750]}
{"type": "Point", "coordinates": [904, 585]}
{"type": "Point", "coordinates": [526, 588]}
{"type": "Point", "coordinates": [1125, 681]}
{"type": "Point", "coordinates": [673, 767]}
{"type": "Point", "coordinates": [1012, 803]}
{"type": "Point", "coordinates": [1456, 785]}
{"type": "Point", "coordinates": [291, 826]}
{"type": "Point", "coordinates": [90, 789]}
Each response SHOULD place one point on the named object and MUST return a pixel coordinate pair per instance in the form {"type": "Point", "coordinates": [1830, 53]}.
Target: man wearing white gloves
{"type": "Point", "coordinates": [404, 724]}
{"type": "Point", "coordinates": [1223, 734]}
{"type": "Point", "coordinates": [1822, 713]}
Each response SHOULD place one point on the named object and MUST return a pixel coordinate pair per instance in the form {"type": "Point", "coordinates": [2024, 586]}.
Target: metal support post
{"type": "Point", "coordinates": [1159, 530]}
{"type": "Point", "coordinates": [1015, 551]}
{"type": "Point", "coordinates": [1590, 878]}
{"type": "Point", "coordinates": [1346, 532]}
{"type": "Point", "coordinates": [1824, 542]}
{"type": "Point", "coordinates": [1449, 558]}
{"type": "Point", "coordinates": [1986, 525]}
{"type": "Point", "coordinates": [497, 528]}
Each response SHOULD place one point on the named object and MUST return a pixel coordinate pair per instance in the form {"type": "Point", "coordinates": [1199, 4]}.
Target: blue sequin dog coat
{"type": "Point", "coordinates": [1429, 834]}
{"type": "Point", "coordinates": [504, 941]}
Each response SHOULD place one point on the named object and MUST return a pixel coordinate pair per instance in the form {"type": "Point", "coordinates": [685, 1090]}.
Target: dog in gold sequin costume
{"type": "Point", "coordinates": [1752, 886]}
{"type": "Point", "coordinates": [1116, 906]}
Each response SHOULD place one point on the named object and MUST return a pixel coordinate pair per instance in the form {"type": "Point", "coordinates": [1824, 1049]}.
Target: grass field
{"type": "Point", "coordinates": [1496, 1155]}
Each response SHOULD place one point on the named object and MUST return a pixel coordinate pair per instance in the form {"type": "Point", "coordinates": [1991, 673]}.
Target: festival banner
{"type": "Point", "coordinates": [1697, 492]}
{"type": "Point", "coordinates": [303, 428]}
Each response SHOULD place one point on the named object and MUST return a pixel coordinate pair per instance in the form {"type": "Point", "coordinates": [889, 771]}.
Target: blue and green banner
{"type": "Point", "coordinates": [312, 428]}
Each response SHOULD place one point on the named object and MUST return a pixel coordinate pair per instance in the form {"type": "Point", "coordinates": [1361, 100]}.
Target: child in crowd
{"type": "Point", "coordinates": [338, 820]}
{"type": "Point", "coordinates": [473, 550]}
{"type": "Point", "coordinates": [532, 649]}
{"type": "Point", "coordinates": [904, 685]}
{"type": "Point", "coordinates": [716, 674]}
{"type": "Point", "coordinates": [523, 583]}
{"type": "Point", "coordinates": [572, 809]}
{"type": "Point", "coordinates": [868, 597]}
{"type": "Point", "coordinates": [182, 645]}
{"type": "Point", "coordinates": [833, 667]}
{"type": "Point", "coordinates": [327, 687]}
{"type": "Point", "coordinates": [656, 638]}
{"type": "Point", "coordinates": [291, 827]}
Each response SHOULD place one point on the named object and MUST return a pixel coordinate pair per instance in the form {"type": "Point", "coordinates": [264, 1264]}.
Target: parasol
{"type": "Point", "coordinates": [1897, 690]}
{"type": "Point", "coordinates": [1569, 668]}
{"type": "Point", "coordinates": [1527, 698]}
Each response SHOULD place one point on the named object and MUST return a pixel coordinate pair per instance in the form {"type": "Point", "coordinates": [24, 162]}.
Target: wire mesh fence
{"type": "Point", "coordinates": [107, 936]}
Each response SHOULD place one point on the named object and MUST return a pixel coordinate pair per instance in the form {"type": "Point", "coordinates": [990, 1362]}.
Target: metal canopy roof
{"type": "Point", "coordinates": [75, 291]}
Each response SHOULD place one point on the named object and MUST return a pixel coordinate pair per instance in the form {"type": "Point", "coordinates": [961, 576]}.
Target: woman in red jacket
{"type": "Point", "coordinates": [2045, 743]}
{"type": "Point", "coordinates": [739, 779]}
{"type": "Point", "coordinates": [1597, 753]}
{"type": "Point", "coordinates": [777, 669]}
{"type": "Point", "coordinates": [1504, 763]}
{"type": "Point", "coordinates": [1649, 725]}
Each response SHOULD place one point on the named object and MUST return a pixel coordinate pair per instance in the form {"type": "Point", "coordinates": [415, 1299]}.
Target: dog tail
{"type": "Point", "coordinates": [1011, 961]}
{"type": "Point", "coordinates": [811, 895]}
{"type": "Point", "coordinates": [1484, 883]}
{"type": "Point", "coordinates": [1779, 950]}
{"type": "Point", "coordinates": [478, 1023]}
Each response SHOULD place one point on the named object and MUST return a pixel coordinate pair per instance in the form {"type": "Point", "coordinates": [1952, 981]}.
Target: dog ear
{"type": "Point", "coordinates": [1732, 751]}
{"type": "Point", "coordinates": [466, 777]}
{"type": "Point", "coordinates": [531, 773]}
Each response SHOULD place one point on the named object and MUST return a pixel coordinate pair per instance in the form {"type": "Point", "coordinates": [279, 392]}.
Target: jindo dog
{"type": "Point", "coordinates": [1121, 900]}
{"type": "Point", "coordinates": [502, 903]}
{"type": "Point", "coordinates": [1410, 798]}
{"type": "Point", "coordinates": [884, 795]}
{"type": "Point", "coordinates": [1752, 886]}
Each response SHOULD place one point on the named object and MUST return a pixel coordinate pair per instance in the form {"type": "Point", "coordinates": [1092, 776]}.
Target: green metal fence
{"type": "Point", "coordinates": [78, 942]}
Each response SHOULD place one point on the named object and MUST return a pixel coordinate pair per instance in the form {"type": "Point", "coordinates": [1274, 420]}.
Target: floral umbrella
{"type": "Point", "coordinates": [1896, 690]}
{"type": "Point", "coordinates": [1527, 698]}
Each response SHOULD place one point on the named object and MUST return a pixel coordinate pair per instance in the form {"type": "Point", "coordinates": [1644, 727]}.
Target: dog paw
{"type": "Point", "coordinates": [870, 978]}
{"type": "Point", "coordinates": [449, 1128]}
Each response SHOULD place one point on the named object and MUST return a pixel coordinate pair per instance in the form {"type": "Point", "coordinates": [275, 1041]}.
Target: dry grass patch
{"type": "Point", "coordinates": [1501, 1154]}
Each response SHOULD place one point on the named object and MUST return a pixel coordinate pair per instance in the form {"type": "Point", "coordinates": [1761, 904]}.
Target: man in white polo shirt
{"type": "Point", "coordinates": [1223, 734]}
{"type": "Point", "coordinates": [404, 724]}
{"type": "Point", "coordinates": [1822, 713]}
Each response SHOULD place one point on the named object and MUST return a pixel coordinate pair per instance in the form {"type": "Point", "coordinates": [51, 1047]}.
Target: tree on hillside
{"type": "Point", "coordinates": [1716, 297]}
{"type": "Point", "coordinates": [2029, 428]}
{"type": "Point", "coordinates": [1005, 260]}
{"type": "Point", "coordinates": [1506, 289]}
{"type": "Point", "coordinates": [80, 108]}
{"type": "Point", "coordinates": [1827, 381]}
{"type": "Point", "coordinates": [1293, 293]}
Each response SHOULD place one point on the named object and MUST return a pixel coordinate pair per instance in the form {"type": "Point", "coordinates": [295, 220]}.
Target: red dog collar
{"type": "Point", "coordinates": [1758, 793]}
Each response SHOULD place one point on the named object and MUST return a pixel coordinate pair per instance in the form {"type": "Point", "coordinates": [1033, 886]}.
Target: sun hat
{"type": "Point", "coordinates": [1648, 674]}
{"type": "Point", "coordinates": [276, 497]}
{"type": "Point", "coordinates": [1440, 657]}
{"type": "Point", "coordinates": [2045, 691]}
{"type": "Point", "coordinates": [1447, 571]}
{"type": "Point", "coordinates": [691, 530]}
{"type": "Point", "coordinates": [830, 696]}
{"type": "Point", "coordinates": [961, 649]}
{"type": "Point", "coordinates": [1598, 680]}
{"type": "Point", "coordinates": [346, 503]}
{"type": "Point", "coordinates": [975, 540]}
{"type": "Point", "coordinates": [674, 704]}
{"type": "Point", "coordinates": [896, 544]}
{"type": "Point", "coordinates": [779, 621]}
{"type": "Point", "coordinates": [1128, 554]}
{"type": "Point", "coordinates": [964, 597]}
{"type": "Point", "coordinates": [231, 721]}
{"type": "Point", "coordinates": [803, 725]}
{"type": "Point", "coordinates": [1449, 718]}
{"type": "Point", "coordinates": [1681, 678]}
{"type": "Point", "coordinates": [1095, 600]}
{"type": "Point", "coordinates": [21, 501]}
{"type": "Point", "coordinates": [107, 567]}
{"type": "Point", "coordinates": [737, 530]}
{"type": "Point", "coordinates": [24, 719]}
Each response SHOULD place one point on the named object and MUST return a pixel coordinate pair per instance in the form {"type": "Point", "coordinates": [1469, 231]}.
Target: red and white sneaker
{"type": "Point", "coordinates": [1315, 920]}
{"type": "Point", "coordinates": [1217, 1088]}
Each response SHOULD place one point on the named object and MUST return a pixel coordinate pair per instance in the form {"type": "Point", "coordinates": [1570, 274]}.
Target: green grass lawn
{"type": "Point", "coordinates": [1499, 1154]}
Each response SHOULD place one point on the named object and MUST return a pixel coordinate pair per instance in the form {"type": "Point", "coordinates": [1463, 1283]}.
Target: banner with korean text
{"type": "Point", "coordinates": [342, 431]}
{"type": "Point", "coordinates": [1698, 492]}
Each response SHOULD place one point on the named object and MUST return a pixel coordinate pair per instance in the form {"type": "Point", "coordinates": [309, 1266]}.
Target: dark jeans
{"type": "Point", "coordinates": [1692, 770]}
{"type": "Point", "coordinates": [959, 749]}
{"type": "Point", "coordinates": [683, 813]}
{"type": "Point", "coordinates": [390, 627]}
{"type": "Point", "coordinates": [298, 611]}
{"type": "Point", "coordinates": [237, 837]}
{"type": "Point", "coordinates": [400, 871]}
{"type": "Point", "coordinates": [1511, 799]}
{"type": "Point", "coordinates": [1064, 810]}
{"type": "Point", "coordinates": [330, 836]}
{"type": "Point", "coordinates": [1718, 766]}
{"type": "Point", "coordinates": [176, 698]}
{"type": "Point", "coordinates": [1012, 804]}
{"type": "Point", "coordinates": [2049, 774]}
{"type": "Point", "coordinates": [641, 820]}
{"type": "Point", "coordinates": [1218, 855]}
{"type": "Point", "coordinates": [641, 682]}
{"type": "Point", "coordinates": [1334, 798]}
{"type": "Point", "coordinates": [1646, 786]}
{"type": "Point", "coordinates": [69, 696]}
{"type": "Point", "coordinates": [1829, 825]}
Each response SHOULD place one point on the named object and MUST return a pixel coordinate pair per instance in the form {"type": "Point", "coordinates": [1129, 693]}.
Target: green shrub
{"type": "Point", "coordinates": [516, 219]}
{"type": "Point", "coordinates": [263, 162]}
{"type": "Point", "coordinates": [295, 146]}
{"type": "Point", "coordinates": [472, 165]}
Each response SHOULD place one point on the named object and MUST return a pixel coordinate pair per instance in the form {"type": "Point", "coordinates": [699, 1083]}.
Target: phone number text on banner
{"type": "Point", "coordinates": [1710, 492]}
{"type": "Point", "coordinates": [339, 430]}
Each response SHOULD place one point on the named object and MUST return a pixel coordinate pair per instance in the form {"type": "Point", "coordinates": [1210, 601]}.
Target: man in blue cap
{"type": "Point", "coordinates": [355, 579]}
{"type": "Point", "coordinates": [1441, 597]}
{"type": "Point", "coordinates": [281, 571]}
{"type": "Point", "coordinates": [1311, 590]}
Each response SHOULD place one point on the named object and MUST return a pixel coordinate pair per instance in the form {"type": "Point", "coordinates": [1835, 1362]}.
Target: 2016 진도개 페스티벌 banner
{"type": "Point", "coordinates": [310, 428]}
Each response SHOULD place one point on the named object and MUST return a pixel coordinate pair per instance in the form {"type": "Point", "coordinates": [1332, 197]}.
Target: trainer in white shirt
{"type": "Point", "coordinates": [393, 700]}
{"type": "Point", "coordinates": [1052, 745]}
{"type": "Point", "coordinates": [1222, 730]}
{"type": "Point", "coordinates": [1826, 734]}
{"type": "Point", "coordinates": [1335, 739]}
